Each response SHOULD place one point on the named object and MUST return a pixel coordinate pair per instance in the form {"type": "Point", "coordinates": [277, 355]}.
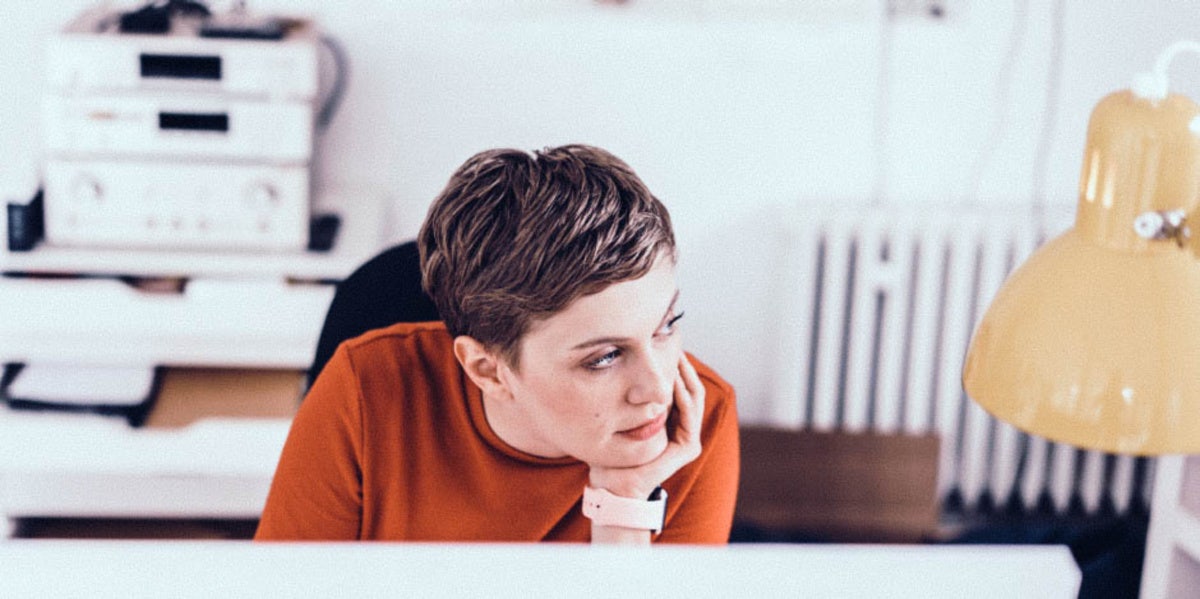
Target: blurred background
{"type": "Point", "coordinates": [754, 121]}
{"type": "Point", "coordinates": [728, 109]}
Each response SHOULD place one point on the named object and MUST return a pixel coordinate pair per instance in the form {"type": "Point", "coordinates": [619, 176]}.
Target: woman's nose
{"type": "Point", "coordinates": [655, 382]}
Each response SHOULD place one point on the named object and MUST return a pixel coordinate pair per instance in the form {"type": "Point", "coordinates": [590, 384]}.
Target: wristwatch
{"type": "Point", "coordinates": [612, 510]}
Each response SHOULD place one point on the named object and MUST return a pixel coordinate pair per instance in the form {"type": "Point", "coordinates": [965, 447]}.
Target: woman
{"type": "Point", "coordinates": [553, 401]}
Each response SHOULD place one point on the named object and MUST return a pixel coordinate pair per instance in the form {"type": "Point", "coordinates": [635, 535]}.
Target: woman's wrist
{"type": "Point", "coordinates": [618, 535]}
{"type": "Point", "coordinates": [620, 485]}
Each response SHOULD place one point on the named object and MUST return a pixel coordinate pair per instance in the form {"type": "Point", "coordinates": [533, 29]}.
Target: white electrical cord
{"type": "Point", "coordinates": [1155, 85]}
{"type": "Point", "coordinates": [1041, 160]}
{"type": "Point", "coordinates": [883, 104]}
{"type": "Point", "coordinates": [1000, 114]}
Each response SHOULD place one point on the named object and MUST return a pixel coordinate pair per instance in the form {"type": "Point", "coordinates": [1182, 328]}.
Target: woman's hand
{"type": "Point", "coordinates": [683, 442]}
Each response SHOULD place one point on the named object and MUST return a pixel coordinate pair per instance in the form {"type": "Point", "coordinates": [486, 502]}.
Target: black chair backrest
{"type": "Point", "coordinates": [383, 291]}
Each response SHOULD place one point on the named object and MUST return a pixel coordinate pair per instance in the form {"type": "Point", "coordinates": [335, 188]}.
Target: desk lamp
{"type": "Point", "coordinates": [1095, 340]}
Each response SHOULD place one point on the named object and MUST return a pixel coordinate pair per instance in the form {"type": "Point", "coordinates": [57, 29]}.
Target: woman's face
{"type": "Point", "coordinates": [596, 380]}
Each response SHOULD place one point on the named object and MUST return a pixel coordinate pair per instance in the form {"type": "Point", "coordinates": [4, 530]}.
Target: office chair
{"type": "Point", "coordinates": [383, 291]}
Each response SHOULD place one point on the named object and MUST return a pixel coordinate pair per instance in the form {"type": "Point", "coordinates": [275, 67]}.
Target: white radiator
{"type": "Point", "coordinates": [880, 305]}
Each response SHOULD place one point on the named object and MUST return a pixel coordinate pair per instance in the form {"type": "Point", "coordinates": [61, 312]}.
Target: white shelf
{"type": "Point", "coordinates": [70, 465]}
{"type": "Point", "coordinates": [254, 310]}
{"type": "Point", "coordinates": [268, 324]}
{"type": "Point", "coordinates": [359, 237]}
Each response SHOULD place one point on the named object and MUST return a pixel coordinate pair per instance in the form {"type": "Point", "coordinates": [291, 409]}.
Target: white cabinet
{"type": "Point", "coordinates": [236, 311]}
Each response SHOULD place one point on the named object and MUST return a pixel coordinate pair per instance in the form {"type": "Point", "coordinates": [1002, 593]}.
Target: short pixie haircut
{"type": "Point", "coordinates": [515, 237]}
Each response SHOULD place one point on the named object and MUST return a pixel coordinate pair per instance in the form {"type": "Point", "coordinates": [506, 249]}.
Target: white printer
{"type": "Point", "coordinates": [184, 139]}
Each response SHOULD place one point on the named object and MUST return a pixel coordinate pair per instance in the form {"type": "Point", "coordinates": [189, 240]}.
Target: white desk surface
{"type": "Point", "coordinates": [39, 568]}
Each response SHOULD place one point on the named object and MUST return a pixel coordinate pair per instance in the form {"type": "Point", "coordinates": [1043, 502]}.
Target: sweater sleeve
{"type": "Point", "coordinates": [316, 493]}
{"type": "Point", "coordinates": [704, 514]}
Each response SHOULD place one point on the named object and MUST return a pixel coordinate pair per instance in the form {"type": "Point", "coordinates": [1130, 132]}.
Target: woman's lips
{"type": "Point", "coordinates": [647, 430]}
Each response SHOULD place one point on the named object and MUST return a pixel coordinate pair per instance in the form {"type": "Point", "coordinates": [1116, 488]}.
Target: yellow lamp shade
{"type": "Point", "coordinates": [1095, 340]}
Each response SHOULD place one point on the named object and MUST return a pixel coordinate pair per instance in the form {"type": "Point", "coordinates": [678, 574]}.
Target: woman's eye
{"type": "Point", "coordinates": [668, 327]}
{"type": "Point", "coordinates": [604, 361]}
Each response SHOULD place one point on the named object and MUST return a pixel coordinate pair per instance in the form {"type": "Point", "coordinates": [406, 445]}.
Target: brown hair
{"type": "Point", "coordinates": [516, 237]}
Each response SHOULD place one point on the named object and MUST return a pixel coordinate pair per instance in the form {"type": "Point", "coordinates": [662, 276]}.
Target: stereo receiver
{"type": "Point", "coordinates": [176, 205]}
{"type": "Point", "coordinates": [91, 55]}
{"type": "Point", "coordinates": [177, 125]}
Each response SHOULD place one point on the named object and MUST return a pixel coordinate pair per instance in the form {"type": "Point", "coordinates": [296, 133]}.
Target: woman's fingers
{"type": "Point", "coordinates": [689, 394]}
{"type": "Point", "coordinates": [689, 400]}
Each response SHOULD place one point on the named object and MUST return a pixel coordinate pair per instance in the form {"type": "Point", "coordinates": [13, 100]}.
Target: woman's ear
{"type": "Point", "coordinates": [482, 365]}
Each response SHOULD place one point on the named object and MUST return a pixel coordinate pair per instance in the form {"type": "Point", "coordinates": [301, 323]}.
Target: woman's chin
{"type": "Point", "coordinates": [641, 453]}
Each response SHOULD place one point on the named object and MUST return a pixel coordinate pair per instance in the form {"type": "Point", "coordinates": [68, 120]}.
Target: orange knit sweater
{"type": "Point", "coordinates": [392, 444]}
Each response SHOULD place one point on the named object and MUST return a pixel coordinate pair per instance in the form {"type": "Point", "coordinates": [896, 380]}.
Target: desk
{"type": "Point", "coordinates": [228, 568]}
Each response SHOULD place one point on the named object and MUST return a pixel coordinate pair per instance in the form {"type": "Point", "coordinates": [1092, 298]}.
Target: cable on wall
{"type": "Point", "coordinates": [882, 106]}
{"type": "Point", "coordinates": [999, 130]}
{"type": "Point", "coordinates": [337, 89]}
{"type": "Point", "coordinates": [1050, 120]}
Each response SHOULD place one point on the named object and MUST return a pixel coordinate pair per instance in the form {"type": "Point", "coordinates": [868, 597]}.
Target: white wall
{"type": "Point", "coordinates": [728, 117]}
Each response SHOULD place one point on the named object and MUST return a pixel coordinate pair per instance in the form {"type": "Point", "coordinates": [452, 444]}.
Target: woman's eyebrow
{"type": "Point", "coordinates": [600, 341]}
{"type": "Point", "coordinates": [619, 340]}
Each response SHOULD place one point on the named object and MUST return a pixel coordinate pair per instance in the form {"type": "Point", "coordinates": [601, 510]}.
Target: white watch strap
{"type": "Point", "coordinates": [612, 510]}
